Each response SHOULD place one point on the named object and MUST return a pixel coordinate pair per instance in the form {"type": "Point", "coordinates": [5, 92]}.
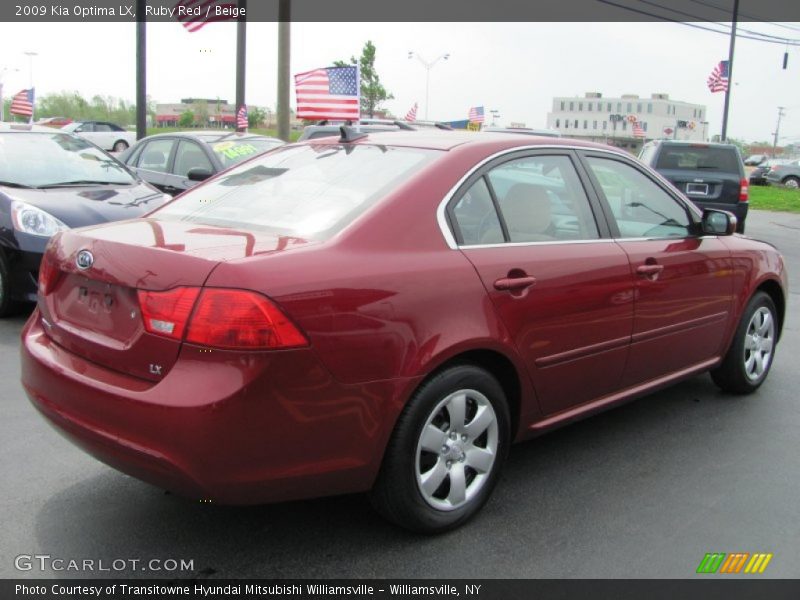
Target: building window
{"type": "Point", "coordinates": [576, 123]}
{"type": "Point", "coordinates": [571, 106]}
{"type": "Point", "coordinates": [562, 105]}
{"type": "Point", "coordinates": [644, 126]}
{"type": "Point", "coordinates": [609, 106]}
{"type": "Point", "coordinates": [630, 108]}
{"type": "Point", "coordinates": [700, 114]}
{"type": "Point", "coordinates": [590, 107]}
{"type": "Point", "coordinates": [624, 125]}
{"type": "Point", "coordinates": [558, 123]}
{"type": "Point", "coordinates": [580, 106]}
{"type": "Point", "coordinates": [586, 124]}
{"type": "Point", "coordinates": [594, 125]}
{"type": "Point", "coordinates": [566, 124]}
{"type": "Point", "coordinates": [619, 106]}
{"type": "Point", "coordinates": [605, 124]}
{"type": "Point", "coordinates": [649, 107]}
{"type": "Point", "coordinates": [638, 107]}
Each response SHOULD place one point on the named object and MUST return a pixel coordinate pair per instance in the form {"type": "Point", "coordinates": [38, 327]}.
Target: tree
{"type": "Point", "coordinates": [200, 108]}
{"type": "Point", "coordinates": [186, 119]}
{"type": "Point", "coordinates": [255, 116]}
{"type": "Point", "coordinates": [373, 94]}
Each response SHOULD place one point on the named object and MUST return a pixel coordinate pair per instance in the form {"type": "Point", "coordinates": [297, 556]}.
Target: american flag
{"type": "Point", "coordinates": [22, 104]}
{"type": "Point", "coordinates": [241, 117]}
{"type": "Point", "coordinates": [476, 114]}
{"type": "Point", "coordinates": [638, 132]}
{"type": "Point", "coordinates": [411, 115]}
{"type": "Point", "coordinates": [330, 93]}
{"type": "Point", "coordinates": [194, 22]}
{"type": "Point", "coordinates": [718, 80]}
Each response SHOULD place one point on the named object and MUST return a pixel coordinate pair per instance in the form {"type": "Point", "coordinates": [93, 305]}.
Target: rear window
{"type": "Point", "coordinates": [699, 158]}
{"type": "Point", "coordinates": [308, 192]}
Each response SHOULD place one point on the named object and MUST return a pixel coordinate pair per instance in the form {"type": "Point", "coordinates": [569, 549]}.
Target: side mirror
{"type": "Point", "coordinates": [198, 174]}
{"type": "Point", "coordinates": [718, 222]}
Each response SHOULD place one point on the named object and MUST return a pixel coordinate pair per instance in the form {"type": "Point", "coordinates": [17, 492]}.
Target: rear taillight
{"type": "Point", "coordinates": [744, 190]}
{"type": "Point", "coordinates": [167, 313]}
{"type": "Point", "coordinates": [48, 275]}
{"type": "Point", "coordinates": [238, 319]}
{"type": "Point", "coordinates": [222, 318]}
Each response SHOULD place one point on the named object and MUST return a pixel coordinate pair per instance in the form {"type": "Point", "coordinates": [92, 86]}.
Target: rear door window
{"type": "Point", "coordinates": [155, 155]}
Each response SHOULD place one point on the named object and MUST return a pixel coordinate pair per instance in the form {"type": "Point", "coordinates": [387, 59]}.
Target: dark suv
{"type": "Point", "coordinates": [710, 175]}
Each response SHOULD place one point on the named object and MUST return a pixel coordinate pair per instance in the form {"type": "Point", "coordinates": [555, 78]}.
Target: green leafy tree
{"type": "Point", "coordinates": [255, 116]}
{"type": "Point", "coordinates": [200, 109]}
{"type": "Point", "coordinates": [186, 119]}
{"type": "Point", "coordinates": [373, 94]}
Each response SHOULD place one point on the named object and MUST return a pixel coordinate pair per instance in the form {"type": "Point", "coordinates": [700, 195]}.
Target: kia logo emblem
{"type": "Point", "coordinates": [84, 260]}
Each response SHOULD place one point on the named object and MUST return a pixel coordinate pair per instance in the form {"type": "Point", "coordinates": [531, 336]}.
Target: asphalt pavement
{"type": "Point", "coordinates": [644, 490]}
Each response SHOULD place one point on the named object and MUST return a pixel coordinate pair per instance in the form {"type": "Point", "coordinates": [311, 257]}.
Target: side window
{"type": "Point", "coordinates": [190, 156]}
{"type": "Point", "coordinates": [102, 127]}
{"type": "Point", "coordinates": [640, 207]}
{"type": "Point", "coordinates": [477, 218]}
{"type": "Point", "coordinates": [155, 155]}
{"type": "Point", "coordinates": [85, 128]}
{"type": "Point", "coordinates": [541, 199]}
{"type": "Point", "coordinates": [114, 127]}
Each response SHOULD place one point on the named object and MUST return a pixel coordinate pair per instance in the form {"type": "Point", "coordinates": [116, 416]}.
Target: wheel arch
{"type": "Point", "coordinates": [774, 290]}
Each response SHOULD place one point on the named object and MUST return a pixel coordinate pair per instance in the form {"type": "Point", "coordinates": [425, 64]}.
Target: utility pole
{"type": "Point", "coordinates": [777, 129]}
{"type": "Point", "coordinates": [284, 48]}
{"type": "Point", "coordinates": [724, 136]}
{"type": "Point", "coordinates": [141, 70]}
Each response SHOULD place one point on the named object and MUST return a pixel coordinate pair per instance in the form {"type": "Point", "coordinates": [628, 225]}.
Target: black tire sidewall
{"type": "Point", "coordinates": [400, 459]}
{"type": "Point", "coordinates": [6, 303]}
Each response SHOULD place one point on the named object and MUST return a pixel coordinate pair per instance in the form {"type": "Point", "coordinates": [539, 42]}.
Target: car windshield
{"type": "Point", "coordinates": [307, 192]}
{"type": "Point", "coordinates": [69, 127]}
{"type": "Point", "coordinates": [708, 158]}
{"type": "Point", "coordinates": [231, 152]}
{"type": "Point", "coordinates": [33, 159]}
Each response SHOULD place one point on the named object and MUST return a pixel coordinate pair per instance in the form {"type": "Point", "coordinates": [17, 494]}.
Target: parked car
{"type": "Point", "coordinates": [524, 131]}
{"type": "Point", "coordinates": [109, 136]}
{"type": "Point", "coordinates": [711, 175]}
{"type": "Point", "coordinates": [787, 174]}
{"type": "Point", "coordinates": [755, 159]}
{"type": "Point", "coordinates": [57, 122]}
{"type": "Point", "coordinates": [758, 176]}
{"type": "Point", "coordinates": [388, 313]}
{"type": "Point", "coordinates": [174, 162]}
{"type": "Point", "coordinates": [51, 181]}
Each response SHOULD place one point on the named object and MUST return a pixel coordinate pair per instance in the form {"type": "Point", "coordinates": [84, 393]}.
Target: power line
{"type": "Point", "coordinates": [727, 10]}
{"type": "Point", "coordinates": [694, 25]}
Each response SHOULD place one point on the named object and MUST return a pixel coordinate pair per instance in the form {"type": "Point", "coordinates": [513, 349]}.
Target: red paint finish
{"type": "Point", "coordinates": [383, 304]}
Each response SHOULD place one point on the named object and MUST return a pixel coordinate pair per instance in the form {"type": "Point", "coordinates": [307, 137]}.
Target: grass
{"type": "Point", "coordinates": [770, 197]}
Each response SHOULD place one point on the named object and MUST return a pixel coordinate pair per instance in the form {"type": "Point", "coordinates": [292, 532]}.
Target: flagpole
{"type": "Point", "coordinates": [284, 49]}
{"type": "Point", "coordinates": [141, 69]}
{"type": "Point", "coordinates": [724, 136]}
{"type": "Point", "coordinates": [241, 55]}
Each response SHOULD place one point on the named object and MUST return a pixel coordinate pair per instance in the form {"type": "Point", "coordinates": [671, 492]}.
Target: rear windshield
{"type": "Point", "coordinates": [700, 158]}
{"type": "Point", "coordinates": [51, 159]}
{"type": "Point", "coordinates": [307, 192]}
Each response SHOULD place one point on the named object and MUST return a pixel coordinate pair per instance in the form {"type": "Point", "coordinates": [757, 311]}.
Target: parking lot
{"type": "Point", "coordinates": [641, 491]}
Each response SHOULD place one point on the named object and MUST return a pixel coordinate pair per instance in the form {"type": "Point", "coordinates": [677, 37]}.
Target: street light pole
{"type": "Point", "coordinates": [30, 56]}
{"type": "Point", "coordinates": [428, 66]}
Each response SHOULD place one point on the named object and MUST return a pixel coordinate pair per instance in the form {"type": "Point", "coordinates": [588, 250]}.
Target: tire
{"type": "Point", "coordinates": [7, 306]}
{"type": "Point", "coordinates": [120, 146]}
{"type": "Point", "coordinates": [468, 450]}
{"type": "Point", "coordinates": [791, 182]}
{"type": "Point", "coordinates": [749, 358]}
{"type": "Point", "coordinates": [739, 226]}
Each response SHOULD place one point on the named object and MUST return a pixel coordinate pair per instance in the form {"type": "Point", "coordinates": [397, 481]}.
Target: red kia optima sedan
{"type": "Point", "coordinates": [388, 313]}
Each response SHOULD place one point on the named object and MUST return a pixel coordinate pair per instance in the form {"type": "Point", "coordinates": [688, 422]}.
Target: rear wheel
{"type": "Point", "coordinates": [446, 452]}
{"type": "Point", "coordinates": [120, 146]}
{"type": "Point", "coordinates": [747, 363]}
{"type": "Point", "coordinates": [792, 182]}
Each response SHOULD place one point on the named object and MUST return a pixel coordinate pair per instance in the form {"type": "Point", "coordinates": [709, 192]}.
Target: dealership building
{"type": "Point", "coordinates": [610, 120]}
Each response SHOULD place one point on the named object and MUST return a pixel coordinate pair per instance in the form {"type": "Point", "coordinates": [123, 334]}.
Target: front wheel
{"type": "Point", "coordinates": [747, 363]}
{"type": "Point", "coordinates": [446, 452]}
{"type": "Point", "coordinates": [120, 146]}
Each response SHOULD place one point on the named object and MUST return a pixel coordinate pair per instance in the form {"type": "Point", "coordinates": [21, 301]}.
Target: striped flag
{"type": "Point", "coordinates": [194, 14]}
{"type": "Point", "coordinates": [241, 117]}
{"type": "Point", "coordinates": [638, 132]}
{"type": "Point", "coordinates": [718, 80]}
{"type": "Point", "coordinates": [330, 93]}
{"type": "Point", "coordinates": [411, 115]}
{"type": "Point", "coordinates": [22, 104]}
{"type": "Point", "coordinates": [476, 114]}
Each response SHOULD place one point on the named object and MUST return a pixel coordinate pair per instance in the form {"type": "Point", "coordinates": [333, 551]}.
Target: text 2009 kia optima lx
{"type": "Point", "coordinates": [389, 313]}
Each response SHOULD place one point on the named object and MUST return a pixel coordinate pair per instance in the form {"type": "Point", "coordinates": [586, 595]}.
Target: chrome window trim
{"type": "Point", "coordinates": [441, 211]}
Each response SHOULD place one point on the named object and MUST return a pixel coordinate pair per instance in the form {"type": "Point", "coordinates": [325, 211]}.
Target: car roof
{"type": "Point", "coordinates": [448, 140]}
{"type": "Point", "coordinates": [25, 127]}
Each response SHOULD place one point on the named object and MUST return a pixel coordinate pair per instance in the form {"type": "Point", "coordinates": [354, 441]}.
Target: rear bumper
{"type": "Point", "coordinates": [220, 426]}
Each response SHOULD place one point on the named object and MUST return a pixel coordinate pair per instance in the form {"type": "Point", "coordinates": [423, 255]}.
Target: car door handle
{"type": "Point", "coordinates": [514, 283]}
{"type": "Point", "coordinates": [649, 270]}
